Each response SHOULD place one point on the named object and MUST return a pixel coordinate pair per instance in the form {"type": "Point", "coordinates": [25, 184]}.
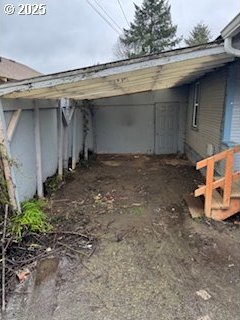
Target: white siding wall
{"type": "Point", "coordinates": [211, 110]}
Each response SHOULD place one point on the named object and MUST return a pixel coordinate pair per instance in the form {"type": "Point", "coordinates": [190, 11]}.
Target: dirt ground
{"type": "Point", "coordinates": [152, 260]}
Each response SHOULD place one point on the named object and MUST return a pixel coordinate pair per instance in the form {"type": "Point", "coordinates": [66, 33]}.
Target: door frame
{"type": "Point", "coordinates": [155, 123]}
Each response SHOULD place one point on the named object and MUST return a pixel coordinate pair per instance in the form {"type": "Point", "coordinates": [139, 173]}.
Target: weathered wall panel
{"type": "Point", "coordinates": [126, 124]}
{"type": "Point", "coordinates": [23, 143]}
{"type": "Point", "coordinates": [211, 111]}
{"type": "Point", "coordinates": [23, 154]}
{"type": "Point", "coordinates": [49, 141]}
{"type": "Point", "coordinates": [124, 129]}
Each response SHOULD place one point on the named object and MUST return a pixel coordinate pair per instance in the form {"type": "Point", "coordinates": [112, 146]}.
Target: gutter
{"type": "Point", "coordinates": [229, 48]}
{"type": "Point", "coordinates": [232, 29]}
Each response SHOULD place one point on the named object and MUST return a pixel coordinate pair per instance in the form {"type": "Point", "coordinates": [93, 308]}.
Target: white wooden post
{"type": "Point", "coordinates": [38, 152]}
{"type": "Point", "coordinates": [60, 143]}
{"type": "Point", "coordinates": [74, 140]}
{"type": "Point", "coordinates": [67, 117]}
{"type": "Point", "coordinates": [7, 167]}
{"type": "Point", "coordinates": [65, 152]}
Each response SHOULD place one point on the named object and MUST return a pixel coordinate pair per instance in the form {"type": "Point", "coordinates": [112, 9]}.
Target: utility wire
{"type": "Point", "coordinates": [106, 13]}
{"type": "Point", "coordinates": [123, 12]}
{"type": "Point", "coordinates": [106, 20]}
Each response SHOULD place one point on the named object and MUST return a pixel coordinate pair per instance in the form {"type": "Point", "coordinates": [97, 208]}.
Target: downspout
{"type": "Point", "coordinates": [229, 48]}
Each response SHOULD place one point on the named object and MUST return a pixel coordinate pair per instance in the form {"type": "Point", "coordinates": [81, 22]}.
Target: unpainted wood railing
{"type": "Point", "coordinates": [225, 182]}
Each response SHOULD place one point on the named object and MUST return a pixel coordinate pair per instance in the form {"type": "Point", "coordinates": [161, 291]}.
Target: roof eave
{"type": "Point", "coordinates": [232, 28]}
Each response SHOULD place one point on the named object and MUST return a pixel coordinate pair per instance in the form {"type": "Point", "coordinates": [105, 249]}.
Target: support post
{"type": "Point", "coordinates": [74, 140]}
{"type": "Point", "coordinates": [7, 167]}
{"type": "Point", "coordinates": [38, 152]}
{"type": "Point", "coordinates": [228, 178]}
{"type": "Point", "coordinates": [65, 144]}
{"type": "Point", "coordinates": [60, 144]}
{"type": "Point", "coordinates": [209, 187]}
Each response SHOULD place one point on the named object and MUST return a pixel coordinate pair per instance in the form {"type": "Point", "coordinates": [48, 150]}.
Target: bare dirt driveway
{"type": "Point", "coordinates": [152, 261]}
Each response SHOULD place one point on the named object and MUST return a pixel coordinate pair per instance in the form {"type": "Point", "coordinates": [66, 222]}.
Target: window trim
{"type": "Point", "coordinates": [195, 105]}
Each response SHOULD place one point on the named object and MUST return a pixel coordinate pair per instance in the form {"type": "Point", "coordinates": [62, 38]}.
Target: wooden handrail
{"type": "Point", "coordinates": [217, 157]}
{"type": "Point", "coordinates": [225, 182]}
{"type": "Point", "coordinates": [219, 183]}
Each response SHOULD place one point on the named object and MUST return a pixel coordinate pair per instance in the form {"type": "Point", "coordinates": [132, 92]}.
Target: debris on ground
{"type": "Point", "coordinates": [203, 294]}
{"type": "Point", "coordinates": [22, 275]}
{"type": "Point", "coordinates": [143, 244]}
{"type": "Point", "coordinates": [35, 247]}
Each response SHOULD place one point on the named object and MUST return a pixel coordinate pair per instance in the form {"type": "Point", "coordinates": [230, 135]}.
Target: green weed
{"type": "Point", "coordinates": [137, 210]}
{"type": "Point", "coordinates": [31, 219]}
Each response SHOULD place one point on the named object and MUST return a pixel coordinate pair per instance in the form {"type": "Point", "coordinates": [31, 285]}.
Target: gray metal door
{"type": "Point", "coordinates": [166, 128]}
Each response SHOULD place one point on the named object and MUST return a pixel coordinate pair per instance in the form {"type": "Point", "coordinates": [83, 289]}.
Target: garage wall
{"type": "Point", "coordinates": [126, 124]}
{"type": "Point", "coordinates": [210, 118]}
{"type": "Point", "coordinates": [125, 129]}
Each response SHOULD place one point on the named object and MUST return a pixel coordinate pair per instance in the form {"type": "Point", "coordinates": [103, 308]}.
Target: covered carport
{"type": "Point", "coordinates": [130, 106]}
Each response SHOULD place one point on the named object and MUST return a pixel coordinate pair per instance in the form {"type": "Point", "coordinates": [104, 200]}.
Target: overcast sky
{"type": "Point", "coordinates": [72, 35]}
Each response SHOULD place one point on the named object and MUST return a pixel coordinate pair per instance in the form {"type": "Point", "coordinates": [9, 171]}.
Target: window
{"type": "Point", "coordinates": [195, 105]}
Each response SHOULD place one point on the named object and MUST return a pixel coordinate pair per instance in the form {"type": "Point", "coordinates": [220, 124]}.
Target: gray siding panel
{"type": "Point", "coordinates": [124, 129]}
{"type": "Point", "coordinates": [23, 143]}
{"type": "Point", "coordinates": [211, 110]}
{"type": "Point", "coordinates": [49, 141]}
{"type": "Point", "coordinates": [23, 153]}
{"type": "Point", "coordinates": [126, 124]}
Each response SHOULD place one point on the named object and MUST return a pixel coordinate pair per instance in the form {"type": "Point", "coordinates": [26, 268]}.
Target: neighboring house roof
{"type": "Point", "coordinates": [159, 71]}
{"type": "Point", "coordinates": [12, 70]}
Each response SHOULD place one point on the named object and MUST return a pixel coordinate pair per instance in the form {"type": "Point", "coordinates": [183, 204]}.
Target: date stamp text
{"type": "Point", "coordinates": [27, 9]}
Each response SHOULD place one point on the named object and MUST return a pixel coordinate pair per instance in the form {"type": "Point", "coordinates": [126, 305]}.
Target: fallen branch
{"type": "Point", "coordinates": [4, 260]}
{"type": "Point", "coordinates": [71, 249]}
{"type": "Point", "coordinates": [71, 232]}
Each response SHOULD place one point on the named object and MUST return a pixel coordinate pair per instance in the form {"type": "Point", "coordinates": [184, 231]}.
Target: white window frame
{"type": "Point", "coordinates": [195, 112]}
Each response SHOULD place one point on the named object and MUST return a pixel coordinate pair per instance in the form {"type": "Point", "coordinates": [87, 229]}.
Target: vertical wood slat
{"type": "Point", "coordinates": [60, 144]}
{"type": "Point", "coordinates": [74, 140]}
{"type": "Point", "coordinates": [65, 146]}
{"type": "Point", "coordinates": [228, 178]}
{"type": "Point", "coordinates": [209, 187]}
{"type": "Point", "coordinates": [38, 152]}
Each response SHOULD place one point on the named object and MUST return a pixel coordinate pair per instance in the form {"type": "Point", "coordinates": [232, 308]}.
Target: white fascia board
{"type": "Point", "coordinates": [232, 28]}
{"type": "Point", "coordinates": [51, 81]}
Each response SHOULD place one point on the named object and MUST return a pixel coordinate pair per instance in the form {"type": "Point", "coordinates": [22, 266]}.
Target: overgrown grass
{"type": "Point", "coordinates": [31, 219]}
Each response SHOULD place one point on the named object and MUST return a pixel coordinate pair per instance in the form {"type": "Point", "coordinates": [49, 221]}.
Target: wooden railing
{"type": "Point", "coordinates": [225, 182]}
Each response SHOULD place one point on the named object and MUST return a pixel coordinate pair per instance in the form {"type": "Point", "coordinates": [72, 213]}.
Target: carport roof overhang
{"type": "Point", "coordinates": [161, 71]}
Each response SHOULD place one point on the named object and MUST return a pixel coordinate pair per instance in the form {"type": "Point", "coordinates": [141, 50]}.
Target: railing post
{"type": "Point", "coordinates": [228, 178]}
{"type": "Point", "coordinates": [209, 187]}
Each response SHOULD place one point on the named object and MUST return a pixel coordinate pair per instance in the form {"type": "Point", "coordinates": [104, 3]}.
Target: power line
{"type": "Point", "coordinates": [100, 14]}
{"type": "Point", "coordinates": [106, 13]}
{"type": "Point", "coordinates": [123, 12]}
